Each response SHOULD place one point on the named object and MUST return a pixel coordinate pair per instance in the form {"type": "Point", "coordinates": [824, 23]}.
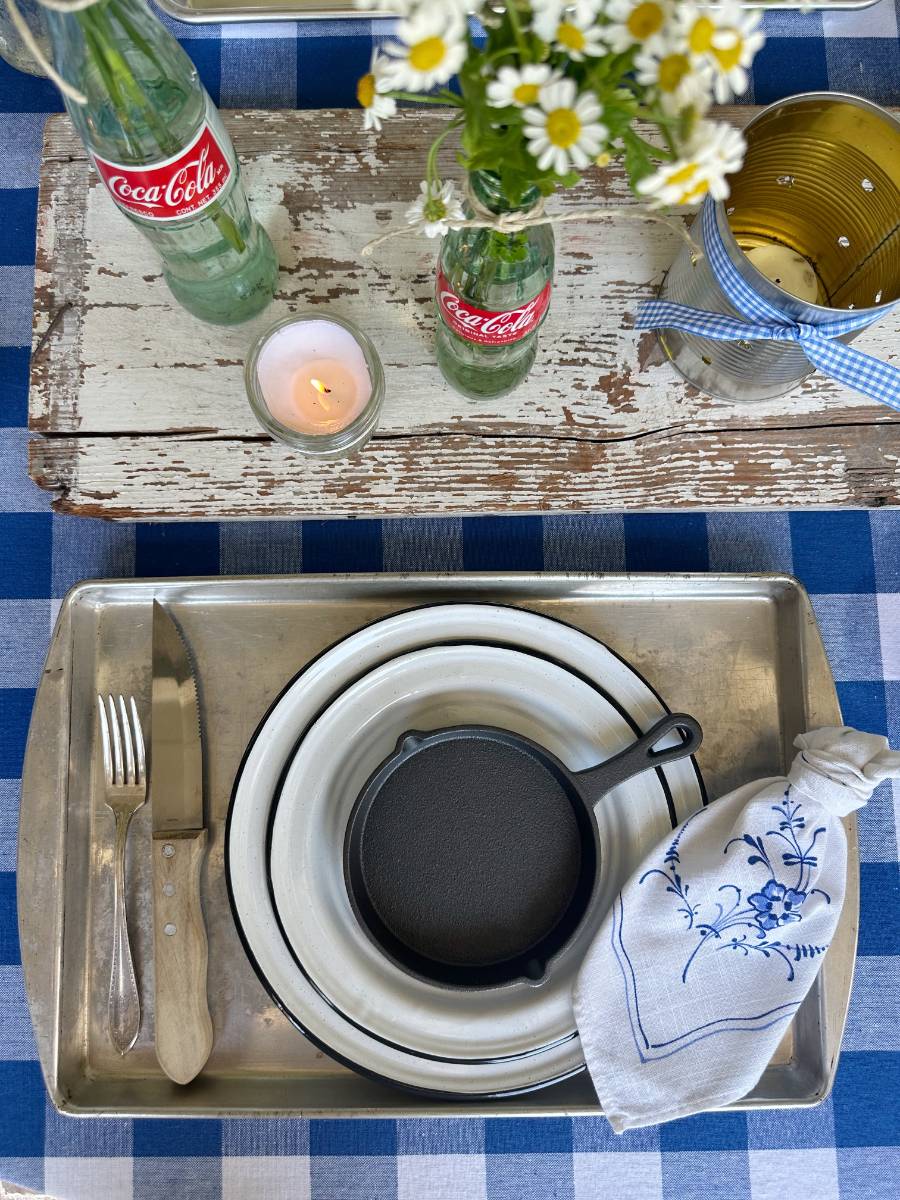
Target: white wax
{"type": "Point", "coordinates": [295, 347]}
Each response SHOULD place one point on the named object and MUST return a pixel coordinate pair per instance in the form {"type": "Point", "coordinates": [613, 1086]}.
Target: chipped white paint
{"type": "Point", "coordinates": [602, 423]}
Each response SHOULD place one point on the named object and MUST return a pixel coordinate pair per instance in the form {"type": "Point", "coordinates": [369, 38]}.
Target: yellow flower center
{"type": "Point", "coordinates": [644, 21]}
{"type": "Point", "coordinates": [571, 37]}
{"type": "Point", "coordinates": [563, 127]}
{"type": "Point", "coordinates": [730, 57]}
{"type": "Point", "coordinates": [434, 209]}
{"type": "Point", "coordinates": [603, 159]}
{"type": "Point", "coordinates": [428, 54]}
{"type": "Point", "coordinates": [672, 69]}
{"type": "Point", "coordinates": [526, 93]}
{"type": "Point", "coordinates": [684, 174]}
{"type": "Point", "coordinates": [699, 189]}
{"type": "Point", "coordinates": [365, 91]}
{"type": "Point", "coordinates": [701, 35]}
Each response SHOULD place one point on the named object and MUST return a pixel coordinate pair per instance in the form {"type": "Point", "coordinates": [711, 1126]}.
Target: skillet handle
{"type": "Point", "coordinates": [597, 781]}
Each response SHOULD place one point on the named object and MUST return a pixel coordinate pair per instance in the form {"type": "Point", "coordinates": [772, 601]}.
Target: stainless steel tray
{"type": "Point", "coordinates": [740, 652]}
{"type": "Point", "coordinates": [306, 10]}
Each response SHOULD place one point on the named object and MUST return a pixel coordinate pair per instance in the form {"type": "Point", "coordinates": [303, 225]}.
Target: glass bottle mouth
{"type": "Point", "coordinates": [488, 190]}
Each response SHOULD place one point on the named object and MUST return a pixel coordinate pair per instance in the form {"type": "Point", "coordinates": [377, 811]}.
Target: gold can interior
{"type": "Point", "coordinates": [821, 179]}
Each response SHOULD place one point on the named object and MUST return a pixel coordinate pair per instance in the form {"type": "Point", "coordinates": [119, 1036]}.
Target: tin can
{"type": "Point", "coordinates": [812, 224]}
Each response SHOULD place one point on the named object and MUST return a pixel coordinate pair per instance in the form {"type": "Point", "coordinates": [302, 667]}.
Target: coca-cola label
{"type": "Point", "coordinates": [178, 187]}
{"type": "Point", "coordinates": [485, 327]}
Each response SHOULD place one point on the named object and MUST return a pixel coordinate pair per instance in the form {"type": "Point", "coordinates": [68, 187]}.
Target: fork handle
{"type": "Point", "coordinates": [124, 1002]}
{"type": "Point", "coordinates": [184, 1032]}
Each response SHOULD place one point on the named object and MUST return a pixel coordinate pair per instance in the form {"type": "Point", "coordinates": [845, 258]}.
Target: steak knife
{"type": "Point", "coordinates": [184, 1033]}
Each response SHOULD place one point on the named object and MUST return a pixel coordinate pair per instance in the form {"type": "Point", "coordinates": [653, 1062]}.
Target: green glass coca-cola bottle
{"type": "Point", "coordinates": [492, 296]}
{"type": "Point", "coordinates": [159, 145]}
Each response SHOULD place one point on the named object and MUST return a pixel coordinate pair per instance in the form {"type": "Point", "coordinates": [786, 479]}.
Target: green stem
{"type": "Point", "coordinates": [431, 164]}
{"type": "Point", "coordinates": [445, 98]}
{"type": "Point", "coordinates": [516, 27]}
{"type": "Point", "coordinates": [109, 82]}
{"type": "Point", "coordinates": [137, 37]}
{"type": "Point", "coordinates": [129, 85]}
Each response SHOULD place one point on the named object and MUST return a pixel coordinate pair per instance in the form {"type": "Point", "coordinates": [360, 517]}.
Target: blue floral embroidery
{"type": "Point", "coordinates": [773, 907]}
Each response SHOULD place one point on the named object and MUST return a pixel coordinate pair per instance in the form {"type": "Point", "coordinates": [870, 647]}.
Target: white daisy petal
{"type": "Point", "coordinates": [637, 23]}
{"type": "Point", "coordinates": [565, 131]}
{"type": "Point", "coordinates": [520, 86]}
{"type": "Point", "coordinates": [714, 152]}
{"type": "Point", "coordinates": [431, 49]}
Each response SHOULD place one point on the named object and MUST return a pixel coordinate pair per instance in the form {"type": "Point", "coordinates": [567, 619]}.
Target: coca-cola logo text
{"type": "Point", "coordinates": [485, 327]}
{"type": "Point", "coordinates": [178, 187]}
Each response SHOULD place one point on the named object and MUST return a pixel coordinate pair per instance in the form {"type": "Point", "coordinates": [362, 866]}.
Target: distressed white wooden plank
{"type": "Point", "coordinates": [122, 358]}
{"type": "Point", "coordinates": [185, 478]}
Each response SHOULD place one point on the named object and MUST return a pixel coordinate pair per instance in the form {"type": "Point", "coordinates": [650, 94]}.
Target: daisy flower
{"type": "Point", "coordinates": [520, 87]}
{"type": "Point", "coordinates": [726, 38]}
{"type": "Point", "coordinates": [565, 130]}
{"type": "Point", "coordinates": [377, 107]}
{"type": "Point", "coordinates": [545, 17]}
{"type": "Point", "coordinates": [714, 152]}
{"type": "Point", "coordinates": [578, 35]}
{"type": "Point", "coordinates": [435, 209]}
{"type": "Point", "coordinates": [433, 49]}
{"type": "Point", "coordinates": [637, 23]}
{"type": "Point", "coordinates": [679, 82]}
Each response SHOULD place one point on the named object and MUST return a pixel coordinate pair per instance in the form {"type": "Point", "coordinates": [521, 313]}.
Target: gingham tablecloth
{"type": "Point", "coordinates": [849, 561]}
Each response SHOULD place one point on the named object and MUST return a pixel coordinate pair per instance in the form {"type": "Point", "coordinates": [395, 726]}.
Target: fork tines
{"type": "Point", "coordinates": [122, 742]}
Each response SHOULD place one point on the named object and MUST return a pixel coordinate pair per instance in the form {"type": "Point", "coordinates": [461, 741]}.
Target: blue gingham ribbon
{"type": "Point", "coordinates": [766, 322]}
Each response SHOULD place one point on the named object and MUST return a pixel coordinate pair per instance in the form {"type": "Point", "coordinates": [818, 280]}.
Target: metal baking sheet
{"type": "Point", "coordinates": [742, 653]}
{"type": "Point", "coordinates": [309, 10]}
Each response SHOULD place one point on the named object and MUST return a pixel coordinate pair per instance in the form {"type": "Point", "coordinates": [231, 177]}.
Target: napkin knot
{"type": "Point", "coordinates": [840, 768]}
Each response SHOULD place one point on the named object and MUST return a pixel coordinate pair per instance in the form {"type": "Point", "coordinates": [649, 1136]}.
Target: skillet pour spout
{"type": "Point", "coordinates": [472, 854]}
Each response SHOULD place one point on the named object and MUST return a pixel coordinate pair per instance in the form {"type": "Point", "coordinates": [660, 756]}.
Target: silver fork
{"type": "Point", "coordinates": [124, 768]}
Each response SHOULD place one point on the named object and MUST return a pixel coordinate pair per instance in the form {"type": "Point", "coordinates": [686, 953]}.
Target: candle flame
{"type": "Point", "coordinates": [323, 392]}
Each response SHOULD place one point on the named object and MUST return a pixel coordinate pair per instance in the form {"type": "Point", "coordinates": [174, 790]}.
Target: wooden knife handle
{"type": "Point", "coordinates": [184, 1032]}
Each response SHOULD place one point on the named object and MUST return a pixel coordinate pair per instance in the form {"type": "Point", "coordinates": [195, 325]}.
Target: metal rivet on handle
{"type": "Point", "coordinates": [168, 850]}
{"type": "Point", "coordinates": [168, 889]}
{"type": "Point", "coordinates": [169, 929]}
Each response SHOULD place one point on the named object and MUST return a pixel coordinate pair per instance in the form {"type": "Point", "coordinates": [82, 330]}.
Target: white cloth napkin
{"type": "Point", "coordinates": [713, 943]}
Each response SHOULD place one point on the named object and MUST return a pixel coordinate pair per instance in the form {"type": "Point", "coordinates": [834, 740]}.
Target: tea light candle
{"type": "Point", "coordinates": [316, 384]}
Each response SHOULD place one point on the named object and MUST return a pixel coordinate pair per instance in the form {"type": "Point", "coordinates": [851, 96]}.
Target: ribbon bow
{"type": "Point", "coordinates": [766, 322]}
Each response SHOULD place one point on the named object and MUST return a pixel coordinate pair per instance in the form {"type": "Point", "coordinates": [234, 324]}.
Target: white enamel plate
{"type": "Point", "coordinates": [284, 729]}
{"type": "Point", "coordinates": [426, 690]}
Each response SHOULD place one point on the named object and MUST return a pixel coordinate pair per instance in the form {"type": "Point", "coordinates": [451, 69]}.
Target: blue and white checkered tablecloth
{"type": "Point", "coordinates": [849, 561]}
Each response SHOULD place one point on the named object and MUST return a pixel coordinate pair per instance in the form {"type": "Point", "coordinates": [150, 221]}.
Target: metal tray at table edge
{"type": "Point", "coordinates": [215, 11]}
{"type": "Point", "coordinates": [42, 833]}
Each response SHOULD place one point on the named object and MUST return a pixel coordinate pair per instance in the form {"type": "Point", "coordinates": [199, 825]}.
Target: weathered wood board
{"type": "Point", "coordinates": [142, 413]}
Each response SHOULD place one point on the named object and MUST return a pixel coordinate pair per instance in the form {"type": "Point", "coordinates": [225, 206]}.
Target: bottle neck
{"type": "Point", "coordinates": [144, 98]}
{"type": "Point", "coordinates": [488, 190]}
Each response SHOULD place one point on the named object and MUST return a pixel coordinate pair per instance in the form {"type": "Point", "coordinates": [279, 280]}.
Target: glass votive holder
{"type": "Point", "coordinates": [316, 383]}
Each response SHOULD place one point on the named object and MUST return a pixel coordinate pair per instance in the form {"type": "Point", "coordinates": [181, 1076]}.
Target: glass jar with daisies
{"type": "Point", "coordinates": [548, 91]}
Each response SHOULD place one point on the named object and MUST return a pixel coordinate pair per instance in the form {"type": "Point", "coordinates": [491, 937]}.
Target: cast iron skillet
{"type": "Point", "coordinates": [472, 853]}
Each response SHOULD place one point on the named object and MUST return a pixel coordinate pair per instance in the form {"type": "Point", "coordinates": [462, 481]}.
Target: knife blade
{"type": "Point", "coordinates": [184, 1033]}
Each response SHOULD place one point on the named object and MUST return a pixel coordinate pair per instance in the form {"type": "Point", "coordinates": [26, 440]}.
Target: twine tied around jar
{"type": "Point", "coordinates": [516, 222]}
{"type": "Point", "coordinates": [32, 46]}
